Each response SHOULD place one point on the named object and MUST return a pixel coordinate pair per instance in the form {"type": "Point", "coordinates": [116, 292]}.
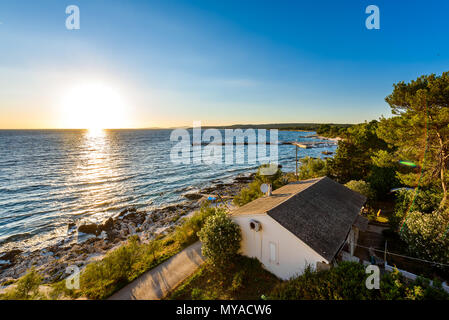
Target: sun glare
{"type": "Point", "coordinates": [93, 106]}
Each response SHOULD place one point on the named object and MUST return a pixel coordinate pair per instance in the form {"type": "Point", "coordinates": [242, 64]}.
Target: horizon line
{"type": "Point", "coordinates": [206, 126]}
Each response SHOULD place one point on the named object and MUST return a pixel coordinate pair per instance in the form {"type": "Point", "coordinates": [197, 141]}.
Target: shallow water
{"type": "Point", "coordinates": [50, 178]}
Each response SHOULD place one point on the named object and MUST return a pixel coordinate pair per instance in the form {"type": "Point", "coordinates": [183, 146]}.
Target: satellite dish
{"type": "Point", "coordinates": [264, 188]}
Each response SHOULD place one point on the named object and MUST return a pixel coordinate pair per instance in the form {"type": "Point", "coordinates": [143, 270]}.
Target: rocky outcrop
{"type": "Point", "coordinates": [90, 228]}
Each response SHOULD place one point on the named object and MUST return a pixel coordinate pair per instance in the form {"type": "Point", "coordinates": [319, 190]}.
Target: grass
{"type": "Point", "coordinates": [245, 279]}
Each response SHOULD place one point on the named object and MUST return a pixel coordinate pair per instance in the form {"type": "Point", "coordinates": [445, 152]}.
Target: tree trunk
{"type": "Point", "coordinates": [443, 185]}
{"type": "Point", "coordinates": [442, 170]}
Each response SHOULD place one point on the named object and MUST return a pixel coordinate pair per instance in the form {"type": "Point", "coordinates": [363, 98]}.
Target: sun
{"type": "Point", "coordinates": [93, 106]}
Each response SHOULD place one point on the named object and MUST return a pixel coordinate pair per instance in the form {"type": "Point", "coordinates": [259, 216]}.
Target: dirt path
{"type": "Point", "coordinates": [157, 282]}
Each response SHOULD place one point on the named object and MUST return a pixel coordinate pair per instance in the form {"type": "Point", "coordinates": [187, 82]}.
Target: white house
{"type": "Point", "coordinates": [303, 223]}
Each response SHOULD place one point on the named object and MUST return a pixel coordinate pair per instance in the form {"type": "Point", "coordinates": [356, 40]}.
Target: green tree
{"type": "Point", "coordinates": [270, 174]}
{"type": "Point", "coordinates": [252, 192]}
{"type": "Point", "coordinates": [424, 201]}
{"type": "Point", "coordinates": [421, 125]}
{"type": "Point", "coordinates": [312, 168]}
{"type": "Point", "coordinates": [353, 159]}
{"type": "Point", "coordinates": [361, 187]}
{"type": "Point", "coordinates": [27, 288]}
{"type": "Point", "coordinates": [220, 239]}
{"type": "Point", "coordinates": [427, 235]}
{"type": "Point", "coordinates": [382, 176]}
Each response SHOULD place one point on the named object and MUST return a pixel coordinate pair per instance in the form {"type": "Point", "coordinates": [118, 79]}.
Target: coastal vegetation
{"type": "Point", "coordinates": [409, 152]}
{"type": "Point", "coordinates": [220, 238]}
{"type": "Point", "coordinates": [361, 187]}
{"type": "Point", "coordinates": [225, 274]}
{"type": "Point", "coordinates": [26, 288]}
{"type": "Point", "coordinates": [253, 191]}
{"type": "Point", "coordinates": [332, 130]}
{"type": "Point", "coordinates": [402, 160]}
{"type": "Point", "coordinates": [347, 282]}
{"type": "Point", "coordinates": [312, 168]}
{"type": "Point", "coordinates": [242, 279]}
{"type": "Point", "coordinates": [120, 266]}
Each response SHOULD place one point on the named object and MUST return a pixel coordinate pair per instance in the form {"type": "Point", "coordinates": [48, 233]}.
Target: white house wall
{"type": "Point", "coordinates": [292, 254]}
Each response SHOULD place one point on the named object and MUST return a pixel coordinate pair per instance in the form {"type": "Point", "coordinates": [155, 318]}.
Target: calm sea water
{"type": "Point", "coordinates": [50, 178]}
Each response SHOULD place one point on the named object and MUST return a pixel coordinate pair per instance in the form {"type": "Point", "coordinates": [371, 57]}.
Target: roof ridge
{"type": "Point", "coordinates": [296, 193]}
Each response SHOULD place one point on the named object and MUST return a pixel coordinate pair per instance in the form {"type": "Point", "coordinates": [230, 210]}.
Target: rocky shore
{"type": "Point", "coordinates": [52, 261]}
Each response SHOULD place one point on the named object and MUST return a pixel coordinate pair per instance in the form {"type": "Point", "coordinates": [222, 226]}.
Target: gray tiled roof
{"type": "Point", "coordinates": [319, 211]}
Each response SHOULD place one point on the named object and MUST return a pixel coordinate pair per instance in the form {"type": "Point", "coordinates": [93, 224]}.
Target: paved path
{"type": "Point", "coordinates": [157, 282]}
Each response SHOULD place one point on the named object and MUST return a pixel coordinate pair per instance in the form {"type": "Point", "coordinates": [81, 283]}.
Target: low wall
{"type": "Point", "coordinates": [412, 276]}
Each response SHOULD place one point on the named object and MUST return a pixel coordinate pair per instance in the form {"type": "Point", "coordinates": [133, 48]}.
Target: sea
{"type": "Point", "coordinates": [52, 178]}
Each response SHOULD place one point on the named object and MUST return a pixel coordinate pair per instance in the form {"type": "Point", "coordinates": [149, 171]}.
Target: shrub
{"type": "Point", "coordinates": [197, 294]}
{"type": "Point", "coordinates": [427, 235]}
{"type": "Point", "coordinates": [252, 192]}
{"type": "Point", "coordinates": [221, 239]}
{"type": "Point", "coordinates": [186, 233]}
{"type": "Point", "coordinates": [382, 180]}
{"type": "Point", "coordinates": [27, 287]}
{"type": "Point", "coordinates": [425, 201]}
{"type": "Point", "coordinates": [237, 281]}
{"type": "Point", "coordinates": [361, 187]}
{"type": "Point", "coordinates": [312, 168]}
{"type": "Point", "coordinates": [246, 195]}
{"type": "Point", "coordinates": [102, 278]}
{"type": "Point", "coordinates": [347, 282]}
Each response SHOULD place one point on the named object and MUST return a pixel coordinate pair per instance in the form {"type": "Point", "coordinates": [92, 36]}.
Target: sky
{"type": "Point", "coordinates": [168, 63]}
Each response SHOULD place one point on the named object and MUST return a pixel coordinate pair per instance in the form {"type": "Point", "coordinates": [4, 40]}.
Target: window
{"type": "Point", "coordinates": [273, 252]}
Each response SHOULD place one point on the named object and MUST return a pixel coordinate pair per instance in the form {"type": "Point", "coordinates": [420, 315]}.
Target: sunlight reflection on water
{"type": "Point", "coordinates": [51, 178]}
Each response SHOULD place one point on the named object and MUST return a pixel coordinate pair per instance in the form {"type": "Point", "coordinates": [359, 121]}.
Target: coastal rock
{"type": "Point", "coordinates": [91, 228]}
{"type": "Point", "coordinates": [193, 196]}
{"type": "Point", "coordinates": [107, 225]}
{"type": "Point", "coordinates": [11, 255]}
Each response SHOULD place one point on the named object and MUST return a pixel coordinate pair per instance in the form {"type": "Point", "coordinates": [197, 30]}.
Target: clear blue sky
{"type": "Point", "coordinates": [220, 62]}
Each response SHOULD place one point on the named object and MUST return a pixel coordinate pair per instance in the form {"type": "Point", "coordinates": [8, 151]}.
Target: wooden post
{"type": "Point", "coordinates": [297, 177]}
{"type": "Point", "coordinates": [385, 253]}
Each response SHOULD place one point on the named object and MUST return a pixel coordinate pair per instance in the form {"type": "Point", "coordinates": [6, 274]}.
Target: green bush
{"type": "Point", "coordinates": [312, 168]}
{"type": "Point", "coordinates": [221, 238]}
{"type": "Point", "coordinates": [102, 278]}
{"type": "Point", "coordinates": [382, 180]}
{"type": "Point", "coordinates": [347, 282]}
{"type": "Point", "coordinates": [26, 288]}
{"type": "Point", "coordinates": [427, 235]}
{"type": "Point", "coordinates": [246, 195]}
{"type": "Point", "coordinates": [361, 187]}
{"type": "Point", "coordinates": [186, 233]}
{"type": "Point", "coordinates": [197, 294]}
{"type": "Point", "coordinates": [237, 281]}
{"type": "Point", "coordinates": [425, 201]}
{"type": "Point", "coordinates": [252, 192]}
